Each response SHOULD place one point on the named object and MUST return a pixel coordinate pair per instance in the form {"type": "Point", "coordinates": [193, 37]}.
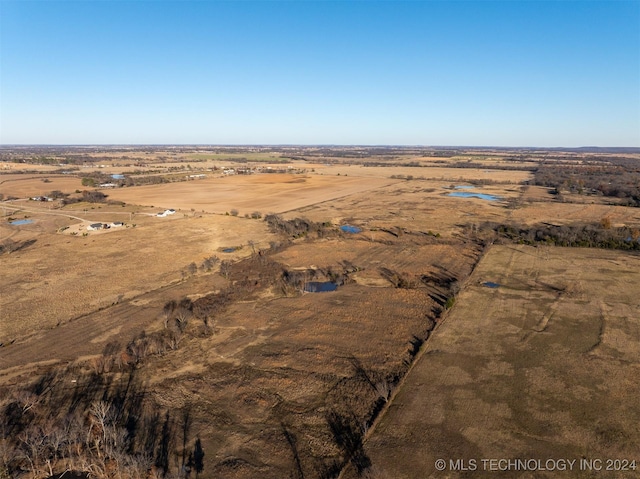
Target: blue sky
{"type": "Point", "coordinates": [510, 73]}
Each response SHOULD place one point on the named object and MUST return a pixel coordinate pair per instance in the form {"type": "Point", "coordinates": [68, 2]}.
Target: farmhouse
{"type": "Point", "coordinates": [95, 226]}
{"type": "Point", "coordinates": [166, 213]}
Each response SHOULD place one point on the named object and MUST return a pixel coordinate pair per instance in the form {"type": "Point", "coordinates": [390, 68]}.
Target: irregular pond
{"type": "Point", "coordinates": [350, 229]}
{"type": "Point", "coordinates": [228, 250]}
{"type": "Point", "coordinates": [491, 284]}
{"type": "Point", "coordinates": [463, 187]}
{"type": "Point", "coordinates": [21, 222]}
{"type": "Point", "coordinates": [117, 177]}
{"type": "Point", "coordinates": [320, 286]}
{"type": "Point", "coordinates": [466, 194]}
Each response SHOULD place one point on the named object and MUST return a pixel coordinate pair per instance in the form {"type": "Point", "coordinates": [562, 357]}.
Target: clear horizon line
{"type": "Point", "coordinates": [333, 145]}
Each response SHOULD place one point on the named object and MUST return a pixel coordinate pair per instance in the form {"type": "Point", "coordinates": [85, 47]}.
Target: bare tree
{"type": "Point", "coordinates": [26, 399]}
{"type": "Point", "coordinates": [100, 415]}
{"type": "Point", "coordinates": [209, 263]}
{"type": "Point", "coordinates": [383, 390]}
{"type": "Point", "coordinates": [225, 269]}
{"type": "Point", "coordinates": [192, 269]}
{"type": "Point", "coordinates": [33, 442]}
{"type": "Point", "coordinates": [252, 245]}
{"type": "Point", "coordinates": [167, 312]}
{"type": "Point", "coordinates": [183, 315]}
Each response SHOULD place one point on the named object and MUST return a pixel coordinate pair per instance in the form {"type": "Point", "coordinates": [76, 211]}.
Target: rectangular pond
{"type": "Point", "coordinates": [320, 286]}
{"type": "Point", "coordinates": [350, 229]}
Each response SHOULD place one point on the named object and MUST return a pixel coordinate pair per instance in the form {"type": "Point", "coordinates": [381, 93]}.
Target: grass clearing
{"type": "Point", "coordinates": [543, 367]}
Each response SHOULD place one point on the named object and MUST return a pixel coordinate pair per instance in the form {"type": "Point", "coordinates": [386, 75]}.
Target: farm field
{"type": "Point", "coordinates": [545, 366]}
{"type": "Point", "coordinates": [277, 358]}
{"type": "Point", "coordinates": [438, 173]}
{"type": "Point", "coordinates": [28, 185]}
{"type": "Point", "coordinates": [267, 193]}
{"type": "Point", "coordinates": [204, 324]}
{"type": "Point", "coordinates": [42, 289]}
{"type": "Point", "coordinates": [568, 213]}
{"type": "Point", "coordinates": [292, 362]}
{"type": "Point", "coordinates": [416, 205]}
{"type": "Point", "coordinates": [77, 280]}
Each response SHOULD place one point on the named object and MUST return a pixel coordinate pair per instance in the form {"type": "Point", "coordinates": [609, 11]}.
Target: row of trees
{"type": "Point", "coordinates": [10, 246]}
{"type": "Point", "coordinates": [593, 235]}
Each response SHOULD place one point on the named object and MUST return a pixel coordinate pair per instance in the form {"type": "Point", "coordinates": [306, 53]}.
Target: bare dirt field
{"type": "Point", "coordinates": [545, 366]}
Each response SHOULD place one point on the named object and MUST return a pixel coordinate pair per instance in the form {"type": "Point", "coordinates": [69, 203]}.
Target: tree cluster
{"type": "Point", "coordinates": [93, 196]}
{"type": "Point", "coordinates": [95, 426]}
{"type": "Point", "coordinates": [593, 235]}
{"type": "Point", "coordinates": [618, 179]}
{"type": "Point", "coordinates": [297, 227]}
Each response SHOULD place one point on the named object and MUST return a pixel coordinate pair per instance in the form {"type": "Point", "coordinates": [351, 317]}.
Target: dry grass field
{"type": "Point", "coordinates": [27, 185]}
{"type": "Point", "coordinates": [276, 361]}
{"type": "Point", "coordinates": [273, 381]}
{"type": "Point", "coordinates": [267, 193]}
{"type": "Point", "coordinates": [543, 367]}
{"type": "Point", "coordinates": [568, 213]}
{"type": "Point", "coordinates": [416, 205]}
{"type": "Point", "coordinates": [61, 277]}
{"type": "Point", "coordinates": [43, 290]}
{"type": "Point", "coordinates": [438, 173]}
{"type": "Point", "coordinates": [7, 167]}
{"type": "Point", "coordinates": [290, 361]}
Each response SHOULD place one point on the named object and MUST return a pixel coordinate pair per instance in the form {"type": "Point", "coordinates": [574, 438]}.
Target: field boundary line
{"type": "Point", "coordinates": [416, 359]}
{"type": "Point", "coordinates": [393, 182]}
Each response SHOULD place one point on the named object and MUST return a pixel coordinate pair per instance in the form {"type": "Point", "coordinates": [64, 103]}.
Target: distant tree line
{"type": "Point", "coordinates": [592, 235]}
{"type": "Point", "coordinates": [618, 178]}
{"type": "Point", "coordinates": [95, 179]}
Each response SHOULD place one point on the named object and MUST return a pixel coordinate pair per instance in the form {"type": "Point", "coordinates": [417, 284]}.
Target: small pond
{"type": "Point", "coordinates": [117, 177]}
{"type": "Point", "coordinates": [491, 284]}
{"type": "Point", "coordinates": [320, 286]}
{"type": "Point", "coordinates": [463, 187]}
{"type": "Point", "coordinates": [466, 194]}
{"type": "Point", "coordinates": [21, 222]}
{"type": "Point", "coordinates": [350, 229]}
{"type": "Point", "coordinates": [228, 250]}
